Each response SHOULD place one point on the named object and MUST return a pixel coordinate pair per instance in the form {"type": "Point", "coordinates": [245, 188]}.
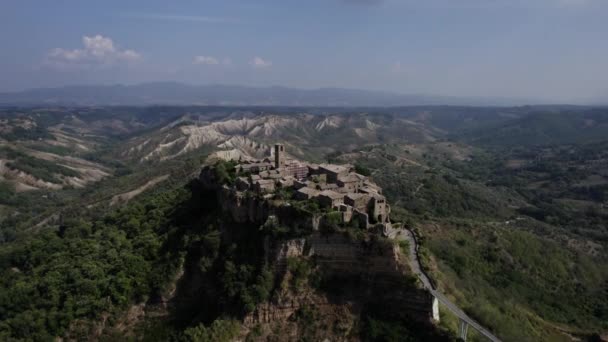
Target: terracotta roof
{"type": "Point", "coordinates": [350, 178]}
{"type": "Point", "coordinates": [329, 186]}
{"type": "Point", "coordinates": [335, 168]}
{"type": "Point", "coordinates": [369, 190]}
{"type": "Point", "coordinates": [378, 196]}
{"type": "Point", "coordinates": [331, 194]}
{"type": "Point", "coordinates": [355, 196]}
{"type": "Point", "coordinates": [308, 191]}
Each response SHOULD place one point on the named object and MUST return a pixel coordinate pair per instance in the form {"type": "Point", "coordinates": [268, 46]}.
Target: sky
{"type": "Point", "coordinates": [550, 50]}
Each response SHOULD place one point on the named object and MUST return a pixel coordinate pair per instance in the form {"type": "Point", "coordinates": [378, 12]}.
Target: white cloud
{"type": "Point", "coordinates": [259, 63]}
{"type": "Point", "coordinates": [97, 50]}
{"type": "Point", "coordinates": [210, 60]}
{"type": "Point", "coordinates": [206, 60]}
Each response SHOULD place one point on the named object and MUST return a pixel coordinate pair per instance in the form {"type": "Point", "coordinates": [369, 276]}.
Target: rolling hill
{"type": "Point", "coordinates": [544, 128]}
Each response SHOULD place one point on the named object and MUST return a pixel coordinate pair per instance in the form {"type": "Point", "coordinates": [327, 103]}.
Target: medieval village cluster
{"type": "Point", "coordinates": [337, 187]}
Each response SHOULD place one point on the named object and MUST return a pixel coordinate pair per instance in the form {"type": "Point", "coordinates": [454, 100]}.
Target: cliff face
{"type": "Point", "coordinates": [243, 209]}
{"type": "Point", "coordinates": [357, 277]}
{"type": "Point", "coordinates": [371, 269]}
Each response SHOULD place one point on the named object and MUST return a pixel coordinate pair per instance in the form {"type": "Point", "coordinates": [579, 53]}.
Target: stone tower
{"type": "Point", "coordinates": [279, 155]}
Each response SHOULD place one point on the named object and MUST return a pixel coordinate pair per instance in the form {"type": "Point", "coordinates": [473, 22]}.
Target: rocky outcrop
{"type": "Point", "coordinates": [368, 271]}
{"type": "Point", "coordinates": [290, 249]}
{"type": "Point", "coordinates": [283, 310]}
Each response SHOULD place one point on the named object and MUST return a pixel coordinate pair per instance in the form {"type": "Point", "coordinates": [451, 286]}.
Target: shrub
{"type": "Point", "coordinates": [225, 172]}
{"type": "Point", "coordinates": [362, 170]}
{"type": "Point", "coordinates": [333, 218]}
{"type": "Point", "coordinates": [300, 270]}
{"type": "Point", "coordinates": [218, 331]}
{"type": "Point", "coordinates": [7, 191]}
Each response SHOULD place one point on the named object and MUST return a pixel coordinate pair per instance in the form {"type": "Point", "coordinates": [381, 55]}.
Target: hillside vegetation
{"type": "Point", "coordinates": [517, 237]}
{"type": "Point", "coordinates": [511, 205]}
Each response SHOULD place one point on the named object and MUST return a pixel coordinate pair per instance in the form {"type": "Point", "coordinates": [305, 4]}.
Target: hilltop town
{"type": "Point", "coordinates": [337, 187]}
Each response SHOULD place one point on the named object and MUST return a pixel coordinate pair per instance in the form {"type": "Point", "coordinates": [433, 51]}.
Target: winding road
{"type": "Point", "coordinates": [407, 235]}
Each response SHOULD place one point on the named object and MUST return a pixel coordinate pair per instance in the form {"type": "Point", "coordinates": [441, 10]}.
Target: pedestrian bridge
{"type": "Point", "coordinates": [465, 320]}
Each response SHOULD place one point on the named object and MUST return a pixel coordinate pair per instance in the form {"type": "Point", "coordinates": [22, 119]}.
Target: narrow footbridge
{"type": "Point", "coordinates": [465, 320]}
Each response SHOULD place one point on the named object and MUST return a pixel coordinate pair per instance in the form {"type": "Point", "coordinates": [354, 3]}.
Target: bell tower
{"type": "Point", "coordinates": [279, 155]}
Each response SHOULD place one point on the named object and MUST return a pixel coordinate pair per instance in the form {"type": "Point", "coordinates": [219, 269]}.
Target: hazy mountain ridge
{"type": "Point", "coordinates": [170, 93]}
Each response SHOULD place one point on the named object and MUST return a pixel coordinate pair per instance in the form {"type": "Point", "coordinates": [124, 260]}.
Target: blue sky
{"type": "Point", "coordinates": [554, 50]}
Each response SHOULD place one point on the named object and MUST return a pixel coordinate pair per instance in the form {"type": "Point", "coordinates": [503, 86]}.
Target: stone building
{"type": "Point", "coordinates": [330, 199]}
{"type": "Point", "coordinates": [357, 201]}
{"type": "Point", "coordinates": [328, 186]}
{"type": "Point", "coordinates": [295, 169]}
{"type": "Point", "coordinates": [334, 171]}
{"type": "Point", "coordinates": [306, 193]}
{"type": "Point", "coordinates": [351, 182]}
{"type": "Point", "coordinates": [264, 186]}
{"type": "Point", "coordinates": [254, 167]}
{"type": "Point", "coordinates": [379, 209]}
{"type": "Point", "coordinates": [286, 182]}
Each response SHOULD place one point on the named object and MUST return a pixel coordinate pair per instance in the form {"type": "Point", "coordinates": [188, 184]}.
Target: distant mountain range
{"type": "Point", "coordinates": [170, 93]}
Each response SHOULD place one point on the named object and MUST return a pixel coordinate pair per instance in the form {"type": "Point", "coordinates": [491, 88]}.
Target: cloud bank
{"type": "Point", "coordinates": [97, 50]}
